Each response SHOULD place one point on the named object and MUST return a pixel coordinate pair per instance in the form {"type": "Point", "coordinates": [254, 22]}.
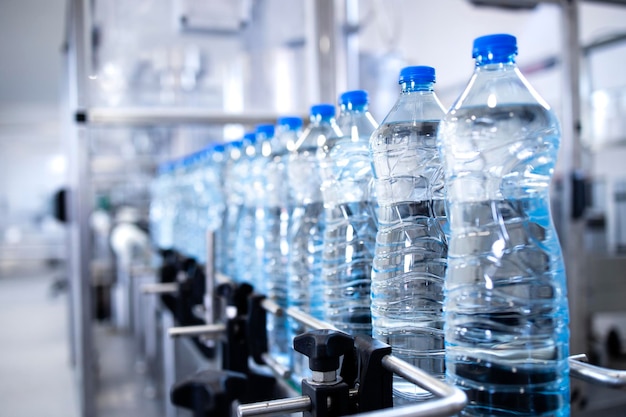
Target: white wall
{"type": "Point", "coordinates": [31, 166]}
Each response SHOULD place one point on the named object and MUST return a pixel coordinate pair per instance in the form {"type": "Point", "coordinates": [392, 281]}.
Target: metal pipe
{"type": "Point", "coordinates": [279, 369]}
{"type": "Point", "coordinates": [137, 116]}
{"type": "Point", "coordinates": [272, 307]}
{"type": "Point", "coordinates": [283, 406]}
{"type": "Point", "coordinates": [597, 375]}
{"type": "Point", "coordinates": [209, 277]}
{"type": "Point", "coordinates": [206, 330]}
{"type": "Point", "coordinates": [417, 376]}
{"type": "Point", "coordinates": [308, 320]}
{"type": "Point", "coordinates": [160, 288]}
{"type": "Point", "coordinates": [450, 399]}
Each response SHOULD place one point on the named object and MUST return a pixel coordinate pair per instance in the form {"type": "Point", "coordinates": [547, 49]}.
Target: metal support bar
{"type": "Point", "coordinates": [279, 369]}
{"type": "Point", "coordinates": [283, 406]}
{"type": "Point", "coordinates": [160, 288]}
{"type": "Point", "coordinates": [450, 399]}
{"type": "Point", "coordinates": [205, 330]}
{"type": "Point", "coordinates": [209, 276]}
{"type": "Point", "coordinates": [137, 116]}
{"type": "Point", "coordinates": [597, 375]}
{"type": "Point", "coordinates": [308, 320]}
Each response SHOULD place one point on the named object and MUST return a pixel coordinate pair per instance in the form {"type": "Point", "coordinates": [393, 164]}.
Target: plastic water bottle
{"type": "Point", "coordinates": [306, 228]}
{"type": "Point", "coordinates": [411, 244]}
{"type": "Point", "coordinates": [273, 231]}
{"type": "Point", "coordinates": [209, 201]}
{"type": "Point", "coordinates": [246, 264]}
{"type": "Point", "coordinates": [233, 197]}
{"type": "Point", "coordinates": [506, 306]}
{"type": "Point", "coordinates": [162, 207]}
{"type": "Point", "coordinates": [184, 202]}
{"type": "Point", "coordinates": [350, 233]}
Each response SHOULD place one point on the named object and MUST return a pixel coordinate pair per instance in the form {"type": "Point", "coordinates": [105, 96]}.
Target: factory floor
{"type": "Point", "coordinates": [36, 375]}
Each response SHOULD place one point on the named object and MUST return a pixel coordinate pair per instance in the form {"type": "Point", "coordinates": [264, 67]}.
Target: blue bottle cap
{"type": "Point", "coordinates": [292, 122]}
{"type": "Point", "coordinates": [497, 48]}
{"type": "Point", "coordinates": [418, 74]}
{"type": "Point", "coordinates": [219, 147]}
{"type": "Point", "coordinates": [237, 144]}
{"type": "Point", "coordinates": [324, 110]}
{"type": "Point", "coordinates": [265, 130]}
{"type": "Point", "coordinates": [249, 137]}
{"type": "Point", "coordinates": [356, 97]}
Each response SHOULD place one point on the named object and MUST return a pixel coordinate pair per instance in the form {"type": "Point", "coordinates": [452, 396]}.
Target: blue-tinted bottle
{"type": "Point", "coordinates": [233, 197]}
{"type": "Point", "coordinates": [350, 206]}
{"type": "Point", "coordinates": [411, 244]}
{"type": "Point", "coordinates": [306, 226]}
{"type": "Point", "coordinates": [272, 230]}
{"type": "Point", "coordinates": [162, 207]}
{"type": "Point", "coordinates": [246, 254]}
{"type": "Point", "coordinates": [506, 306]}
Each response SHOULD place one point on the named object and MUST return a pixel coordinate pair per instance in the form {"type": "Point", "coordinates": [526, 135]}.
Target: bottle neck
{"type": "Point", "coordinates": [351, 107]}
{"type": "Point", "coordinates": [491, 61]}
{"type": "Point", "coordinates": [318, 119]}
{"type": "Point", "coordinates": [412, 86]}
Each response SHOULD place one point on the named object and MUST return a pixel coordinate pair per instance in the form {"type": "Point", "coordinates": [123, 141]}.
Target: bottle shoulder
{"type": "Point", "coordinates": [415, 106]}
{"type": "Point", "coordinates": [498, 87]}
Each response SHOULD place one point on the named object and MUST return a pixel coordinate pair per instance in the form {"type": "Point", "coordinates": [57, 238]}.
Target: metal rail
{"type": "Point", "coordinates": [160, 288]}
{"type": "Point", "coordinates": [205, 330]}
{"type": "Point", "coordinates": [146, 116]}
{"type": "Point", "coordinates": [449, 401]}
{"type": "Point", "coordinates": [611, 378]}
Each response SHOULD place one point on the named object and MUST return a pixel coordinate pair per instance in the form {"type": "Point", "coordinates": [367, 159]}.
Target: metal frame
{"type": "Point", "coordinates": [79, 207]}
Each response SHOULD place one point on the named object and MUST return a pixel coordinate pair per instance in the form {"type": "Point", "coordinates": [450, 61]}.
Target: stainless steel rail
{"type": "Point", "coordinates": [147, 116]}
{"type": "Point", "coordinates": [160, 288]}
{"type": "Point", "coordinates": [205, 330]}
{"type": "Point", "coordinates": [450, 400]}
{"type": "Point", "coordinates": [611, 378]}
{"type": "Point", "coordinates": [275, 407]}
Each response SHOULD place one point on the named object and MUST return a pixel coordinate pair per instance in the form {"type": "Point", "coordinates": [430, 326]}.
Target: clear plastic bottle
{"type": "Point", "coordinates": [209, 202]}
{"type": "Point", "coordinates": [161, 213]}
{"type": "Point", "coordinates": [506, 306]}
{"type": "Point", "coordinates": [411, 244]}
{"type": "Point", "coordinates": [184, 202]}
{"type": "Point", "coordinates": [246, 258]}
{"type": "Point", "coordinates": [350, 233]}
{"type": "Point", "coordinates": [273, 231]}
{"type": "Point", "coordinates": [233, 197]}
{"type": "Point", "coordinates": [306, 227]}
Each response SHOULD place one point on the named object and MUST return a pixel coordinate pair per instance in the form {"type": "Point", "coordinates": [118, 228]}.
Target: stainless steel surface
{"type": "Point", "coordinates": [79, 205]}
{"type": "Point", "coordinates": [278, 369]}
{"type": "Point", "coordinates": [210, 301]}
{"type": "Point", "coordinates": [597, 375]}
{"type": "Point", "coordinates": [272, 307]}
{"type": "Point", "coordinates": [168, 362]}
{"type": "Point", "coordinates": [140, 116]}
{"type": "Point", "coordinates": [321, 51]}
{"type": "Point", "coordinates": [306, 319]}
{"type": "Point", "coordinates": [205, 330]}
{"type": "Point", "coordinates": [275, 407]}
{"type": "Point", "coordinates": [450, 400]}
{"type": "Point", "coordinates": [160, 288]}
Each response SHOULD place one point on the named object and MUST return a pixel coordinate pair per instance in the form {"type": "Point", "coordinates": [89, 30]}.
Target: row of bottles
{"type": "Point", "coordinates": [430, 232]}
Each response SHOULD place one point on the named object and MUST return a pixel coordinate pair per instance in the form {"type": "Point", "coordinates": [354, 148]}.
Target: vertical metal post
{"type": "Point", "coordinates": [321, 37]}
{"type": "Point", "coordinates": [79, 208]}
{"type": "Point", "coordinates": [209, 274]}
{"type": "Point", "coordinates": [351, 36]}
{"type": "Point", "coordinates": [573, 230]}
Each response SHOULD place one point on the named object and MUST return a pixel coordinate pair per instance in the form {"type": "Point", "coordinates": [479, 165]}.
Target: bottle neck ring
{"type": "Point", "coordinates": [412, 86]}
